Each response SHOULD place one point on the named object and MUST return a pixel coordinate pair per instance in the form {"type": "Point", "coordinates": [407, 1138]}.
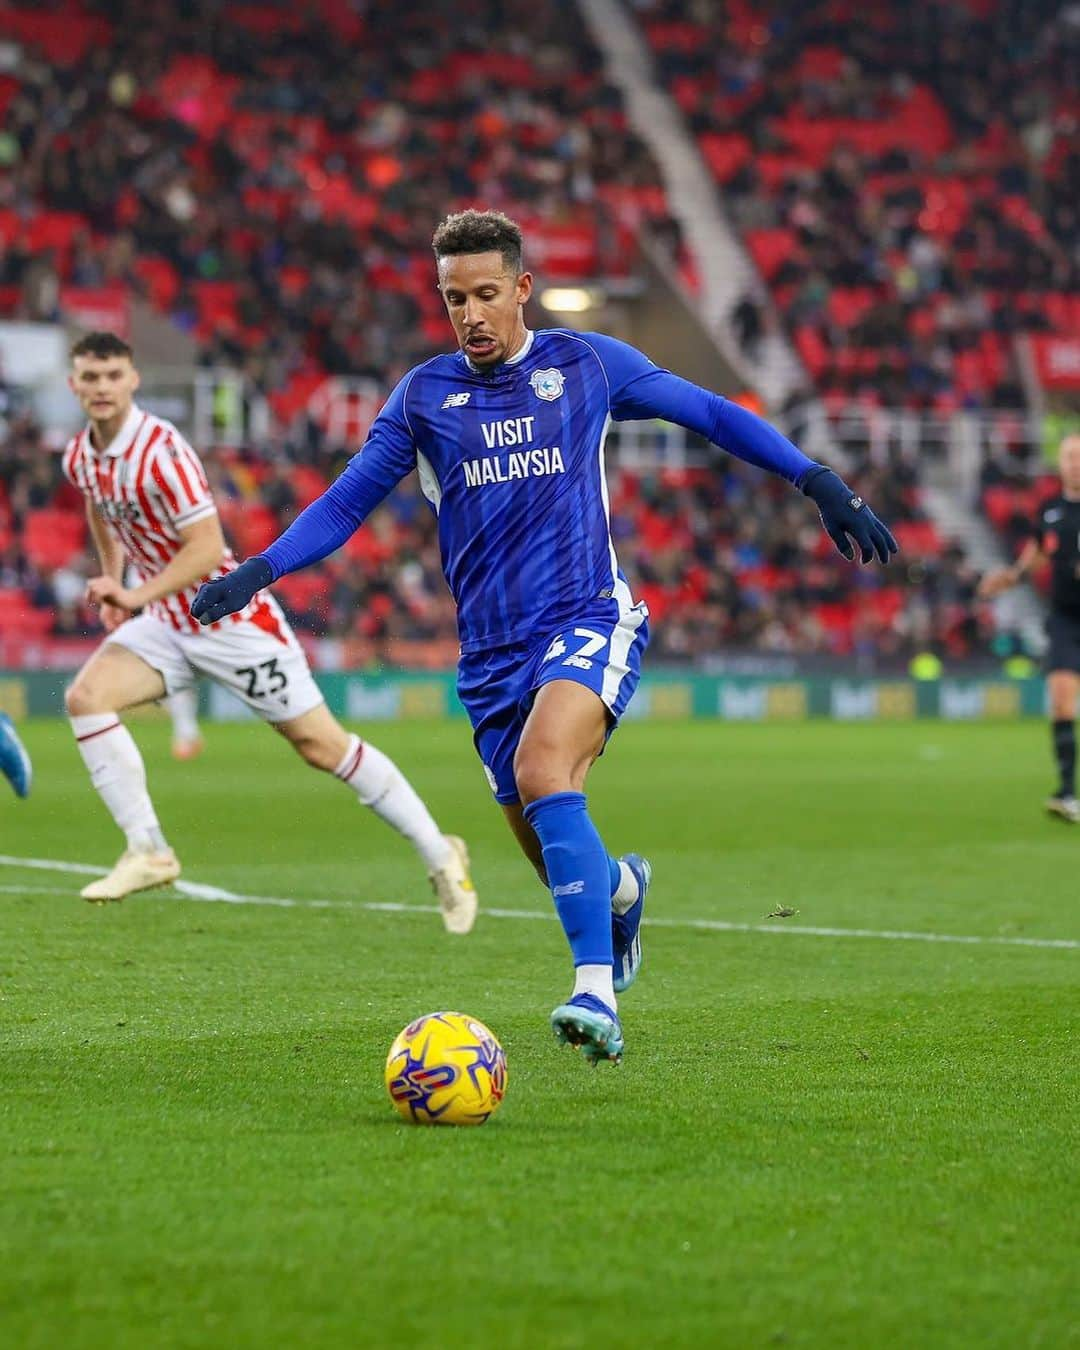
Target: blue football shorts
{"type": "Point", "coordinates": [601, 650]}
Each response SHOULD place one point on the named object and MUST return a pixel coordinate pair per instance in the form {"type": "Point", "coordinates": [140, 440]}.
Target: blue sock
{"type": "Point", "coordinates": [579, 873]}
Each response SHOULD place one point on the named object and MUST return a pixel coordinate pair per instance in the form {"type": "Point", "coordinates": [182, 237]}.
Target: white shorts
{"type": "Point", "coordinates": [262, 663]}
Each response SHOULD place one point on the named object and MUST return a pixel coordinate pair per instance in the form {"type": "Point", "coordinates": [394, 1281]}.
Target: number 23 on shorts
{"type": "Point", "coordinates": [263, 680]}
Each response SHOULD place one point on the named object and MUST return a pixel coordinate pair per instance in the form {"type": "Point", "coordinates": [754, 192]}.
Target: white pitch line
{"type": "Point", "coordinates": [193, 890]}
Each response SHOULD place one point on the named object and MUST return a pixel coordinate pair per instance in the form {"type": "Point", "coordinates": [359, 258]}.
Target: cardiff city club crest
{"type": "Point", "coordinates": [547, 384]}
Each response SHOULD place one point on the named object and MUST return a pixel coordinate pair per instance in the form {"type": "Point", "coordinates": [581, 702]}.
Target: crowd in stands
{"type": "Point", "coordinates": [270, 175]}
{"type": "Point", "coordinates": [906, 176]}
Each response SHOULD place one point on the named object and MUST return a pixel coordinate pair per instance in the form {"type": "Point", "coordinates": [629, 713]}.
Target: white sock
{"type": "Point", "coordinates": [626, 897]}
{"type": "Point", "coordinates": [183, 708]}
{"type": "Point", "coordinates": [380, 784]}
{"type": "Point", "coordinates": [595, 980]}
{"type": "Point", "coordinates": [117, 771]}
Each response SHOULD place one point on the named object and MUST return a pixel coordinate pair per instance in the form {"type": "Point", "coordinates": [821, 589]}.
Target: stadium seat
{"type": "Point", "coordinates": [161, 279]}
{"type": "Point", "coordinates": [770, 249]}
{"type": "Point", "coordinates": [52, 538]}
{"type": "Point", "coordinates": [726, 153]}
{"type": "Point", "coordinates": [918, 538]}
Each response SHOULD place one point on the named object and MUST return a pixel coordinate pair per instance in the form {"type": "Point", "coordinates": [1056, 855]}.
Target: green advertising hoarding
{"type": "Point", "coordinates": [363, 697]}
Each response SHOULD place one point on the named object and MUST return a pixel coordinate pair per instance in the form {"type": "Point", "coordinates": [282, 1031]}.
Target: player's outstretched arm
{"type": "Point", "coordinates": [388, 455]}
{"type": "Point", "coordinates": [638, 389]}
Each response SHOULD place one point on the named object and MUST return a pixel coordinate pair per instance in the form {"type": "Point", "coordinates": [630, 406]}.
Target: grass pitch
{"type": "Point", "coordinates": [813, 1141]}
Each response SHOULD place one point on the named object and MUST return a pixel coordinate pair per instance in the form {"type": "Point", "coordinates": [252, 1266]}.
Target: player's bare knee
{"type": "Point", "coordinates": [83, 698]}
{"type": "Point", "coordinates": [537, 776]}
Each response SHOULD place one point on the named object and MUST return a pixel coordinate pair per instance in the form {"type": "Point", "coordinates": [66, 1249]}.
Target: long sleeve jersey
{"type": "Point", "coordinates": [511, 460]}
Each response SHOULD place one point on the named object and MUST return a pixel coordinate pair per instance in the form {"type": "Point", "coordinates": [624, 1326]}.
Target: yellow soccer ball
{"type": "Point", "coordinates": [446, 1069]}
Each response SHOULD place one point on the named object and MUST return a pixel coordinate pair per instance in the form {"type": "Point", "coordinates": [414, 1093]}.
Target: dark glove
{"type": "Point", "coordinates": [232, 591]}
{"type": "Point", "coordinates": [844, 514]}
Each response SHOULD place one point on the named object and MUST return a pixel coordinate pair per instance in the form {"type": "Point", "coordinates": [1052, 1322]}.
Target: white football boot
{"type": "Point", "coordinates": [454, 889]}
{"type": "Point", "coordinates": [136, 870]}
{"type": "Point", "coordinates": [1065, 808]}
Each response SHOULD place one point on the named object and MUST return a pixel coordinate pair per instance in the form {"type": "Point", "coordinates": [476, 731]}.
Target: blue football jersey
{"type": "Point", "coordinates": [511, 460]}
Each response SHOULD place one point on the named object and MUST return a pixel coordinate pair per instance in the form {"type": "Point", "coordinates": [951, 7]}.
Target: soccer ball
{"type": "Point", "coordinates": [446, 1069]}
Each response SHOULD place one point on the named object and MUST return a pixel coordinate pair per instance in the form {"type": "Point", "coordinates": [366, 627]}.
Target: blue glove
{"type": "Point", "coordinates": [843, 514]}
{"type": "Point", "coordinates": [232, 591]}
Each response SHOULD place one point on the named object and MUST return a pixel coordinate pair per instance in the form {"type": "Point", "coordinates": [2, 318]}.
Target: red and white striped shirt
{"type": "Point", "coordinates": [148, 485]}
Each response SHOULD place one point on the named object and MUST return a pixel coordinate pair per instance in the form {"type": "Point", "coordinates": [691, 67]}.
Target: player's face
{"type": "Point", "coordinates": [484, 300]}
{"type": "Point", "coordinates": [104, 385]}
{"type": "Point", "coordinates": [1070, 465]}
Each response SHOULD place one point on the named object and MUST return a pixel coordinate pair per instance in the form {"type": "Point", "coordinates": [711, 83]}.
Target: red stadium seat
{"type": "Point", "coordinates": [884, 605]}
{"type": "Point", "coordinates": [918, 539]}
{"type": "Point", "coordinates": [28, 623]}
{"type": "Point", "coordinates": [216, 301]}
{"type": "Point", "coordinates": [848, 304]}
{"type": "Point", "coordinates": [820, 63]}
{"type": "Point", "coordinates": [253, 528]}
{"type": "Point", "coordinates": [725, 153]}
{"type": "Point", "coordinates": [812, 349]}
{"type": "Point", "coordinates": [770, 249]}
{"type": "Point", "coordinates": [160, 278]}
{"type": "Point", "coordinates": [13, 604]}
{"type": "Point", "coordinates": [838, 621]}
{"type": "Point", "coordinates": [303, 590]}
{"type": "Point", "coordinates": [51, 538]}
{"type": "Point", "coordinates": [53, 230]}
{"type": "Point", "coordinates": [308, 484]}
{"type": "Point", "coordinates": [999, 504]}
{"type": "Point", "coordinates": [64, 38]}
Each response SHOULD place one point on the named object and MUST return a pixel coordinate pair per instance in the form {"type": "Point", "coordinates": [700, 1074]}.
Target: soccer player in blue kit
{"type": "Point", "coordinates": [507, 435]}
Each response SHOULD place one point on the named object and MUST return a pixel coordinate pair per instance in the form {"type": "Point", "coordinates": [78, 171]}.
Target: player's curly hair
{"type": "Point", "coordinates": [480, 232]}
{"type": "Point", "coordinates": [102, 345]}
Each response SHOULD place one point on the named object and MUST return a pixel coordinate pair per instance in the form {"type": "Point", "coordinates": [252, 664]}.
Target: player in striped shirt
{"type": "Point", "coordinates": [148, 501]}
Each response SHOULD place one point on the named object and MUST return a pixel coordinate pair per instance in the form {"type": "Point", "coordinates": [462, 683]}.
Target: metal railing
{"type": "Point", "coordinates": [221, 407]}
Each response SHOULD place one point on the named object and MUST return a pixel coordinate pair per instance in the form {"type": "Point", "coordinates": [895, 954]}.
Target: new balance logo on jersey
{"type": "Point", "coordinates": [457, 400]}
{"type": "Point", "coordinates": [517, 464]}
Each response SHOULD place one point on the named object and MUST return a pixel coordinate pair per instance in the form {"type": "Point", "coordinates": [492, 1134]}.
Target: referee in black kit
{"type": "Point", "coordinates": [1057, 539]}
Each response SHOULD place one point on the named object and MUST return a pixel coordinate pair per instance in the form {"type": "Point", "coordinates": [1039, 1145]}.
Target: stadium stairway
{"type": "Point", "coordinates": [726, 270]}
{"type": "Point", "coordinates": [159, 342]}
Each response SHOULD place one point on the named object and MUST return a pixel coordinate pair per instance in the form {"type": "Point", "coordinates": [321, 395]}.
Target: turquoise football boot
{"type": "Point", "coordinates": [588, 1024]}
